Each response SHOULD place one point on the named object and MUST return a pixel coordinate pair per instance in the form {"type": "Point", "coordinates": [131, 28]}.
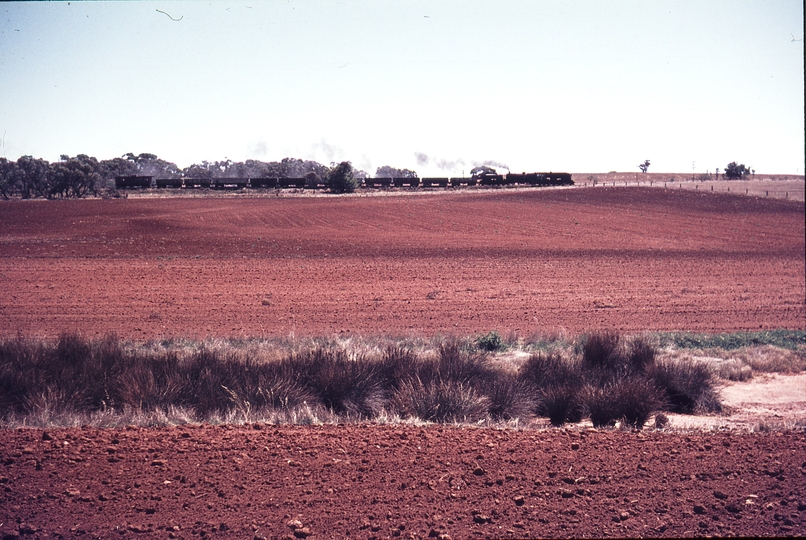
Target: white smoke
{"type": "Point", "coordinates": [455, 164]}
{"type": "Point", "coordinates": [323, 148]}
{"type": "Point", "coordinates": [257, 150]}
{"type": "Point", "coordinates": [491, 163]}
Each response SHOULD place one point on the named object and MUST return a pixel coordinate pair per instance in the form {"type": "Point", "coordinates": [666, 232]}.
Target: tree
{"type": "Point", "coordinates": [151, 165]}
{"type": "Point", "coordinates": [644, 166]}
{"type": "Point", "coordinates": [31, 177]}
{"type": "Point", "coordinates": [110, 168]}
{"type": "Point", "coordinates": [74, 177]}
{"type": "Point", "coordinates": [390, 172]}
{"type": "Point", "coordinates": [8, 174]}
{"type": "Point", "coordinates": [734, 171]}
{"type": "Point", "coordinates": [340, 179]}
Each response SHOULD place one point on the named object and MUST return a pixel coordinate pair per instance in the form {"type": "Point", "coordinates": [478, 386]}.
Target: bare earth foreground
{"type": "Point", "coordinates": [523, 261]}
{"type": "Point", "coordinates": [389, 481]}
{"type": "Point", "coordinates": [632, 259]}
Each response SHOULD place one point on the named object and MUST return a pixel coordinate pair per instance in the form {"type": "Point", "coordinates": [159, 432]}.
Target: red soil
{"type": "Point", "coordinates": [516, 261]}
{"type": "Point", "coordinates": [627, 258]}
{"type": "Point", "coordinates": [388, 481]}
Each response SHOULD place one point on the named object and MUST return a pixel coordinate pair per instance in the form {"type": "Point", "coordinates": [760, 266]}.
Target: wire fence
{"type": "Point", "coordinates": [793, 194]}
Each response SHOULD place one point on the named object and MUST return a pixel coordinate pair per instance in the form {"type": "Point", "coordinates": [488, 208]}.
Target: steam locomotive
{"type": "Point", "coordinates": [486, 178]}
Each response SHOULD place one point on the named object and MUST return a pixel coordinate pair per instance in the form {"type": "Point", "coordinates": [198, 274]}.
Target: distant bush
{"type": "Point", "coordinates": [341, 179]}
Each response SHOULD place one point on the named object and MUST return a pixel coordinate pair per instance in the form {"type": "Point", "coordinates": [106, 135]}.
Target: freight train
{"type": "Point", "coordinates": [482, 179]}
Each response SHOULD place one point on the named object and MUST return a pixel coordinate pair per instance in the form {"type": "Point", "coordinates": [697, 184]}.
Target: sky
{"type": "Point", "coordinates": [434, 86]}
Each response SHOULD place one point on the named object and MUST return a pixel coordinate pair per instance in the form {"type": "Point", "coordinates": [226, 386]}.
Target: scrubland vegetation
{"type": "Point", "coordinates": [604, 377]}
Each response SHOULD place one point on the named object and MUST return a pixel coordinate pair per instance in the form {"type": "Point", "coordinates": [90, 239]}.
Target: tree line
{"type": "Point", "coordinates": [83, 175]}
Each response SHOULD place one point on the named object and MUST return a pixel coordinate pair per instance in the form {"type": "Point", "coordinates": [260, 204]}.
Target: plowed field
{"type": "Point", "coordinates": [399, 481]}
{"type": "Point", "coordinates": [625, 258]}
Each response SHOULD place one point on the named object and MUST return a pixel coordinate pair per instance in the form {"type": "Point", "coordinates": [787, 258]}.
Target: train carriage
{"type": "Point", "coordinates": [263, 182]}
{"type": "Point", "coordinates": [435, 182]}
{"type": "Point", "coordinates": [298, 183]}
{"type": "Point", "coordinates": [173, 183]}
{"type": "Point", "coordinates": [133, 181]}
{"type": "Point", "coordinates": [191, 183]}
{"type": "Point", "coordinates": [377, 182]}
{"type": "Point", "coordinates": [406, 182]}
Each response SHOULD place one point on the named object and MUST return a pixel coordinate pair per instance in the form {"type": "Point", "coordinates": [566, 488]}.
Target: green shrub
{"type": "Point", "coordinates": [491, 342]}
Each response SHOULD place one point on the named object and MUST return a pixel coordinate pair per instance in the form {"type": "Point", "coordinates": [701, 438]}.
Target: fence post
{"type": "Point", "coordinates": [712, 188]}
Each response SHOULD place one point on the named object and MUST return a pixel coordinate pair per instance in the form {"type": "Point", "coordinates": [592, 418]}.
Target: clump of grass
{"type": "Point", "coordinates": [337, 379]}
{"type": "Point", "coordinates": [641, 354]}
{"type": "Point", "coordinates": [687, 386]}
{"type": "Point", "coordinates": [637, 398]}
{"type": "Point", "coordinates": [772, 359]}
{"type": "Point", "coordinates": [456, 364]}
{"type": "Point", "coordinates": [600, 406]}
{"type": "Point", "coordinates": [632, 401]}
{"type": "Point", "coordinates": [733, 370]}
{"type": "Point", "coordinates": [600, 351]}
{"type": "Point", "coordinates": [345, 386]}
{"type": "Point", "coordinates": [508, 397]}
{"type": "Point", "coordinates": [442, 401]}
{"type": "Point", "coordinates": [561, 404]}
{"type": "Point", "coordinates": [543, 370]}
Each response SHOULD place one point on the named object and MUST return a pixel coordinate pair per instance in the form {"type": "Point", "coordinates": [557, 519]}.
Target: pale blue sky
{"type": "Point", "coordinates": [577, 86]}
